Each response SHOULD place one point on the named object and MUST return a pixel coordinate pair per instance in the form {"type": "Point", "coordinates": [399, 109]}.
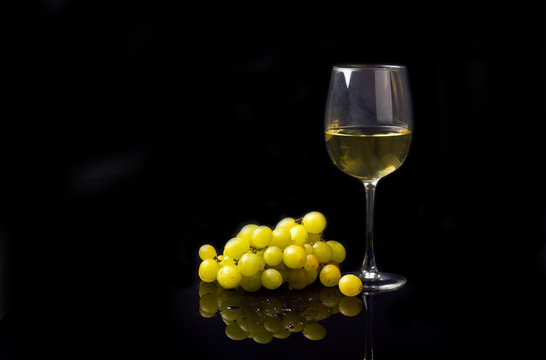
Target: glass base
{"type": "Point", "coordinates": [377, 281]}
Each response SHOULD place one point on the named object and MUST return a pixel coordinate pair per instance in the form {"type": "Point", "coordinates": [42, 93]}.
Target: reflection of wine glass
{"type": "Point", "coordinates": [368, 132]}
{"type": "Point", "coordinates": [367, 299]}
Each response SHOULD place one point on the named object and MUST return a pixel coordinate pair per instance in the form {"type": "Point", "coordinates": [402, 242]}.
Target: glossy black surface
{"type": "Point", "coordinates": [134, 132]}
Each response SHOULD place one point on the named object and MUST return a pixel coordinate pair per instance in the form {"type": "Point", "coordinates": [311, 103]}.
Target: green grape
{"type": "Point", "coordinates": [249, 264]}
{"type": "Point", "coordinates": [314, 331]}
{"type": "Point", "coordinates": [260, 254]}
{"type": "Point", "coordinates": [338, 251]}
{"type": "Point", "coordinates": [234, 332]}
{"type": "Point", "coordinates": [311, 276]}
{"type": "Point", "coordinates": [299, 234]}
{"type": "Point", "coordinates": [330, 275]}
{"type": "Point", "coordinates": [281, 237]}
{"type": "Point", "coordinates": [286, 223]}
{"type": "Point", "coordinates": [350, 285]}
{"type": "Point", "coordinates": [226, 260]}
{"type": "Point", "coordinates": [308, 248]}
{"type": "Point", "coordinates": [208, 270]}
{"type": "Point", "coordinates": [229, 277]}
{"type": "Point", "coordinates": [297, 279]}
{"type": "Point", "coordinates": [323, 251]}
{"type": "Point", "coordinates": [294, 256]}
{"type": "Point", "coordinates": [252, 283]}
{"type": "Point", "coordinates": [314, 222]}
{"type": "Point", "coordinates": [281, 268]}
{"type": "Point", "coordinates": [350, 305]}
{"type": "Point", "coordinates": [236, 247]}
{"type": "Point", "coordinates": [271, 279]}
{"type": "Point", "coordinates": [207, 252]}
{"type": "Point", "coordinates": [273, 256]}
{"type": "Point", "coordinates": [246, 232]}
{"type": "Point", "coordinates": [311, 262]}
{"type": "Point", "coordinates": [314, 238]}
{"type": "Point", "coordinates": [261, 237]}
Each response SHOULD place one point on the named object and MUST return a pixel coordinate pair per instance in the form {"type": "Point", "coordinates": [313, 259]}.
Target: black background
{"type": "Point", "coordinates": [132, 132]}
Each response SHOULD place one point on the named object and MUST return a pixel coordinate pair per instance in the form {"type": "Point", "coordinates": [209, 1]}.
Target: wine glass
{"type": "Point", "coordinates": [368, 130]}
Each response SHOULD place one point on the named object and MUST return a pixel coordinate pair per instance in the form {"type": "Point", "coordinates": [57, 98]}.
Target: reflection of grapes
{"type": "Point", "coordinates": [350, 305]}
{"type": "Point", "coordinates": [314, 331]}
{"type": "Point", "coordinates": [264, 315]}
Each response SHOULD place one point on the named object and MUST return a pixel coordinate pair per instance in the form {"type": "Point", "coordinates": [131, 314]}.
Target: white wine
{"type": "Point", "coordinates": [368, 153]}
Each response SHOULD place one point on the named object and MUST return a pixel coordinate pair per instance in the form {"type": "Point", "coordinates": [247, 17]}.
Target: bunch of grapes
{"type": "Point", "coordinates": [265, 315]}
{"type": "Point", "coordinates": [293, 252]}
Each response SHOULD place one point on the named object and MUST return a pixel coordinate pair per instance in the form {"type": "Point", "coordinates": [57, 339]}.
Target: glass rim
{"type": "Point", "coordinates": [369, 67]}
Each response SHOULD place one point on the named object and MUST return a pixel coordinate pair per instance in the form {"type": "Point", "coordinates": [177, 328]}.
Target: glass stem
{"type": "Point", "coordinates": [368, 266]}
